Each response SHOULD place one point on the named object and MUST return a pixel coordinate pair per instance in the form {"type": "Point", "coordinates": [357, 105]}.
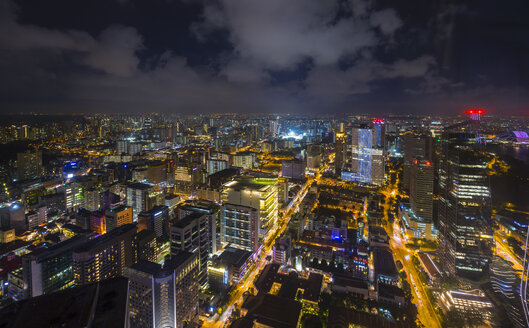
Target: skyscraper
{"type": "Point", "coordinates": [339, 159]}
{"type": "Point", "coordinates": [415, 146]}
{"type": "Point", "coordinates": [464, 208]}
{"type": "Point", "coordinates": [104, 257]}
{"type": "Point", "coordinates": [118, 216]}
{"type": "Point", "coordinates": [29, 165]}
{"type": "Point", "coordinates": [190, 234]}
{"type": "Point", "coordinates": [421, 189]}
{"type": "Point", "coordinates": [49, 268]}
{"type": "Point", "coordinates": [240, 226]}
{"type": "Point", "coordinates": [367, 158]}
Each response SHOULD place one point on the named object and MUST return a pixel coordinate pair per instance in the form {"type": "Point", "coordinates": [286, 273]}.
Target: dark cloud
{"type": "Point", "coordinates": [267, 56]}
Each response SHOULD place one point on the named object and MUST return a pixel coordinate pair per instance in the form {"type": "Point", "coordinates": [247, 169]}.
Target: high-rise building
{"type": "Point", "coordinates": [216, 165]}
{"type": "Point", "coordinates": [212, 212]}
{"type": "Point", "coordinates": [246, 160]}
{"type": "Point", "coordinates": [339, 158]}
{"type": "Point", "coordinates": [421, 189]}
{"type": "Point", "coordinates": [104, 257]}
{"type": "Point", "coordinates": [73, 196]}
{"type": "Point", "coordinates": [464, 208]}
{"type": "Point", "coordinates": [12, 216]}
{"type": "Point", "coordinates": [294, 169]}
{"type": "Point", "coordinates": [380, 133]}
{"type": "Point", "coordinates": [367, 164]}
{"type": "Point", "coordinates": [157, 220]}
{"type": "Point", "coordinates": [258, 193]}
{"type": "Point", "coordinates": [144, 246]}
{"type": "Point", "coordinates": [92, 199]}
{"type": "Point", "coordinates": [151, 296]}
{"type": "Point", "coordinates": [191, 234]}
{"type": "Point", "coordinates": [49, 268]}
{"type": "Point", "coordinates": [161, 297]}
{"type": "Point", "coordinates": [29, 165]}
{"type": "Point", "coordinates": [118, 216]}
{"type": "Point", "coordinates": [415, 146]}
{"type": "Point", "coordinates": [240, 227]}
{"type": "Point", "coordinates": [139, 197]}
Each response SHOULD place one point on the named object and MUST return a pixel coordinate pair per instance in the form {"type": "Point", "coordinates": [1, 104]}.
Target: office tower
{"type": "Point", "coordinates": [367, 159]}
{"type": "Point", "coordinates": [282, 251]}
{"type": "Point", "coordinates": [151, 295]}
{"type": "Point", "coordinates": [97, 221]}
{"type": "Point", "coordinates": [157, 220]}
{"type": "Point", "coordinates": [139, 197]}
{"type": "Point", "coordinates": [49, 268]}
{"type": "Point", "coordinates": [186, 266]}
{"type": "Point", "coordinates": [380, 133]}
{"type": "Point", "coordinates": [118, 216]}
{"type": "Point", "coordinates": [73, 196]}
{"type": "Point", "coordinates": [258, 193]}
{"type": "Point", "coordinates": [161, 297]}
{"type": "Point", "coordinates": [191, 234]}
{"type": "Point", "coordinates": [104, 257]}
{"type": "Point", "coordinates": [340, 146]}
{"type": "Point", "coordinates": [240, 227]}
{"type": "Point", "coordinates": [212, 212]}
{"type": "Point", "coordinates": [415, 146]}
{"type": "Point", "coordinates": [29, 165]}
{"type": "Point", "coordinates": [92, 199]}
{"type": "Point", "coordinates": [274, 127]}
{"type": "Point", "coordinates": [464, 208]}
{"type": "Point", "coordinates": [421, 189]}
{"type": "Point", "coordinates": [144, 246]}
{"type": "Point", "coordinates": [313, 161]}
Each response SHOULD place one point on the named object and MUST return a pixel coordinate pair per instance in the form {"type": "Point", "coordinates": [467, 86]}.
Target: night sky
{"type": "Point", "coordinates": [270, 56]}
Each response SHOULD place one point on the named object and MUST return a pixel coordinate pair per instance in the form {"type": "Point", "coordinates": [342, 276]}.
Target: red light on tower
{"type": "Point", "coordinates": [378, 120]}
{"type": "Point", "coordinates": [428, 163]}
{"type": "Point", "coordinates": [475, 113]}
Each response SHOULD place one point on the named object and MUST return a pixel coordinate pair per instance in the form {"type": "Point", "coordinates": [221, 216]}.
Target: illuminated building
{"type": "Point", "coordinates": [464, 209]}
{"type": "Point", "coordinates": [258, 193]}
{"type": "Point", "coordinates": [7, 235]}
{"type": "Point", "coordinates": [421, 189]}
{"type": "Point", "coordinates": [73, 196]}
{"type": "Point", "coordinates": [239, 226]}
{"type": "Point", "coordinates": [157, 220]}
{"type": "Point", "coordinates": [216, 165]}
{"type": "Point", "coordinates": [282, 250]}
{"type": "Point", "coordinates": [415, 147]}
{"type": "Point", "coordinates": [212, 212]}
{"type": "Point", "coordinates": [380, 133]}
{"type": "Point", "coordinates": [228, 268]}
{"type": "Point", "coordinates": [245, 160]}
{"type": "Point", "coordinates": [49, 268]}
{"type": "Point", "coordinates": [157, 172]}
{"type": "Point", "coordinates": [29, 165]}
{"type": "Point", "coordinates": [191, 234]}
{"type": "Point", "coordinates": [144, 246]}
{"type": "Point", "coordinates": [186, 267]}
{"type": "Point", "coordinates": [415, 226]}
{"type": "Point", "coordinates": [118, 216]}
{"type": "Point", "coordinates": [139, 197]}
{"type": "Point", "coordinates": [385, 269]}
{"type": "Point", "coordinates": [341, 150]}
{"type": "Point", "coordinates": [92, 199]}
{"type": "Point", "coordinates": [151, 295]}
{"type": "Point", "coordinates": [468, 302]}
{"type": "Point", "coordinates": [104, 257]}
{"type": "Point", "coordinates": [367, 158]}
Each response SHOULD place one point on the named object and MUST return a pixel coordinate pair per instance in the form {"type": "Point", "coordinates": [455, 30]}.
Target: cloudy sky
{"type": "Point", "coordinates": [272, 56]}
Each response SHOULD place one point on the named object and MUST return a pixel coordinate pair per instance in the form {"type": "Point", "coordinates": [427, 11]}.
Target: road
{"type": "Point", "coordinates": [218, 321]}
{"type": "Point", "coordinates": [426, 311]}
{"type": "Point", "coordinates": [504, 251]}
